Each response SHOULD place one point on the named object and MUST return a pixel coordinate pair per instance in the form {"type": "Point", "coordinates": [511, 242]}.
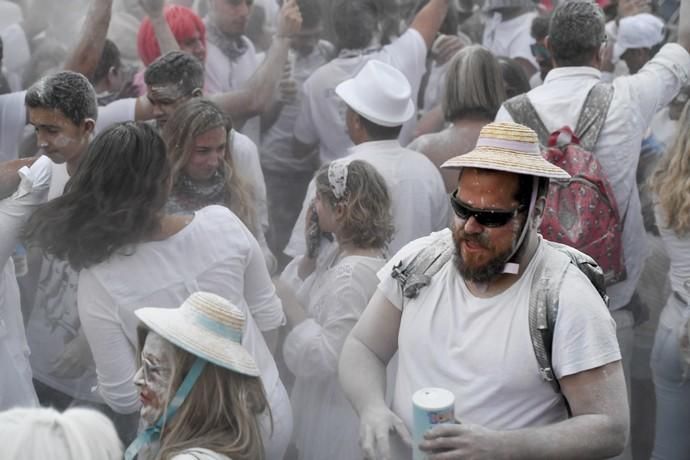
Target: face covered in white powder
{"type": "Point", "coordinates": [153, 378]}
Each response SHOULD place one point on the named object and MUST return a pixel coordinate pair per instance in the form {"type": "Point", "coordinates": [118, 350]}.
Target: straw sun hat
{"type": "Point", "coordinates": [508, 147]}
{"type": "Point", "coordinates": [207, 326]}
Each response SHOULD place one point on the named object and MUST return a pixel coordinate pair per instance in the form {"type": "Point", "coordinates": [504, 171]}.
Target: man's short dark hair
{"type": "Point", "coordinates": [377, 132]}
{"type": "Point", "coordinates": [540, 27]}
{"type": "Point", "coordinates": [110, 58]}
{"type": "Point", "coordinates": [179, 68]}
{"type": "Point", "coordinates": [576, 32]}
{"type": "Point", "coordinates": [311, 13]}
{"type": "Point", "coordinates": [69, 92]}
{"type": "Point", "coordinates": [354, 23]}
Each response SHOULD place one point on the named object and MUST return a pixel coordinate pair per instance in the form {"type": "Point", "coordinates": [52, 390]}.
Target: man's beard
{"type": "Point", "coordinates": [478, 274]}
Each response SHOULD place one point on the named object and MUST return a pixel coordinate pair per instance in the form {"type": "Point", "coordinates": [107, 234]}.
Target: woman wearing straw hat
{"type": "Point", "coordinates": [200, 388]}
{"type": "Point", "coordinates": [131, 253]}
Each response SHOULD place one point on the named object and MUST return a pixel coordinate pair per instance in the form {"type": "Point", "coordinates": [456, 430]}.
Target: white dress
{"type": "Point", "coordinates": [16, 388]}
{"type": "Point", "coordinates": [334, 296]}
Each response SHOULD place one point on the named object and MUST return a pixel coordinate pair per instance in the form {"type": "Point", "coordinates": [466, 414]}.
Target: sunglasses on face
{"type": "Point", "coordinates": [485, 217]}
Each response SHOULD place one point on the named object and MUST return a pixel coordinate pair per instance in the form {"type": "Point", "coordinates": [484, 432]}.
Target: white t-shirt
{"type": "Point", "coordinates": [636, 98]}
{"type": "Point", "coordinates": [322, 115]}
{"type": "Point", "coordinates": [277, 143]}
{"type": "Point", "coordinates": [16, 388]}
{"type": "Point", "coordinates": [12, 121]}
{"type": "Point", "coordinates": [214, 253]}
{"type": "Point", "coordinates": [334, 296]}
{"type": "Point", "coordinates": [510, 38]}
{"type": "Point", "coordinates": [224, 75]}
{"type": "Point", "coordinates": [480, 348]}
{"type": "Point", "coordinates": [419, 201]}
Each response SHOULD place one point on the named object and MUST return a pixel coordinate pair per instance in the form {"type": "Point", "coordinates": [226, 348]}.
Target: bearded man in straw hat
{"type": "Point", "coordinates": [467, 329]}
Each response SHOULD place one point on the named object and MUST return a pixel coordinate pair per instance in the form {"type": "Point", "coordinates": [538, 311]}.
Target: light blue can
{"type": "Point", "coordinates": [430, 406]}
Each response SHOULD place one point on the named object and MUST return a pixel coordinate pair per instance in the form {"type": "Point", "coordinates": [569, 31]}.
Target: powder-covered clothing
{"type": "Point", "coordinates": [480, 348]}
{"type": "Point", "coordinates": [215, 253]}
{"type": "Point", "coordinates": [16, 389]}
{"type": "Point", "coordinates": [334, 297]}
{"type": "Point", "coordinates": [322, 114]}
{"type": "Point", "coordinates": [636, 99]}
{"type": "Point", "coordinates": [511, 38]}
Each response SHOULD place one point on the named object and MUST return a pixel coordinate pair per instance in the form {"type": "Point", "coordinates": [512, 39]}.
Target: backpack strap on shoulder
{"type": "Point", "coordinates": [593, 115]}
{"type": "Point", "coordinates": [523, 112]}
{"type": "Point", "coordinates": [544, 298]}
{"type": "Point", "coordinates": [418, 273]}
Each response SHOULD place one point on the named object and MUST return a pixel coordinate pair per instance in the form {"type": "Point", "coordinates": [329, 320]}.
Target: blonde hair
{"type": "Point", "coordinates": [192, 119]}
{"type": "Point", "coordinates": [671, 180]}
{"type": "Point", "coordinates": [40, 433]}
{"type": "Point", "coordinates": [367, 221]}
{"type": "Point", "coordinates": [220, 413]}
{"type": "Point", "coordinates": [474, 85]}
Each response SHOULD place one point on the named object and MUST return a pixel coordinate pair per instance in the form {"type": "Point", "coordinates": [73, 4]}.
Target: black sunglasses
{"type": "Point", "coordinates": [484, 217]}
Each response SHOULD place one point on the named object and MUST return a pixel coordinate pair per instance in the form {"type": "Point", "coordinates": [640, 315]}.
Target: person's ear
{"type": "Point", "coordinates": [538, 212]}
{"type": "Point", "coordinates": [89, 125]}
{"type": "Point", "coordinates": [198, 92]}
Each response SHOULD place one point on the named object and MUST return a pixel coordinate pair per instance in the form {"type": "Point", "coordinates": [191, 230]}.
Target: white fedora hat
{"type": "Point", "coordinates": [642, 30]}
{"type": "Point", "coordinates": [207, 326]}
{"type": "Point", "coordinates": [380, 93]}
{"type": "Point", "coordinates": [508, 147]}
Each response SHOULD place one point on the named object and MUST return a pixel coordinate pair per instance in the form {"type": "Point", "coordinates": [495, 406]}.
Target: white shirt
{"type": "Point", "coordinates": [419, 201]}
{"type": "Point", "coordinates": [480, 348]}
{"type": "Point", "coordinates": [16, 388]}
{"type": "Point", "coordinates": [322, 115]}
{"type": "Point", "coordinates": [215, 253]}
{"type": "Point", "coordinates": [54, 320]}
{"type": "Point", "coordinates": [12, 121]}
{"type": "Point", "coordinates": [276, 143]}
{"type": "Point", "coordinates": [511, 38]}
{"type": "Point", "coordinates": [664, 129]}
{"type": "Point", "coordinates": [224, 75]}
{"type": "Point", "coordinates": [334, 297]}
{"type": "Point", "coordinates": [636, 99]}
{"type": "Point", "coordinates": [678, 250]}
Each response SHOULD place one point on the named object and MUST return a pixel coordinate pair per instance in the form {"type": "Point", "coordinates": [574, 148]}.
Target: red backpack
{"type": "Point", "coordinates": [580, 212]}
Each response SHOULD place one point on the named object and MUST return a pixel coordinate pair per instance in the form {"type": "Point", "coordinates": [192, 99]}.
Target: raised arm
{"type": "Point", "coordinates": [362, 373]}
{"type": "Point", "coordinates": [86, 55]}
{"type": "Point", "coordinates": [429, 19]}
{"type": "Point", "coordinates": [164, 36]}
{"type": "Point", "coordinates": [257, 95]}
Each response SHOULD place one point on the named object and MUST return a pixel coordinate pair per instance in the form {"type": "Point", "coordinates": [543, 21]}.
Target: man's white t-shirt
{"type": "Point", "coordinates": [54, 320]}
{"type": "Point", "coordinates": [511, 38]}
{"type": "Point", "coordinates": [322, 115]}
{"type": "Point", "coordinates": [224, 75]}
{"type": "Point", "coordinates": [480, 348]}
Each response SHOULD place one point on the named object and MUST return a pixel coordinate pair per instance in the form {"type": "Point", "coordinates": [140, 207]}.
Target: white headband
{"type": "Point", "coordinates": [337, 177]}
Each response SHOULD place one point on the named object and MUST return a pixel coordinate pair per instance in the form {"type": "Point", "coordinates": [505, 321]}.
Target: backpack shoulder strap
{"type": "Point", "coordinates": [418, 273]}
{"type": "Point", "coordinates": [593, 115]}
{"type": "Point", "coordinates": [544, 298]}
{"type": "Point", "coordinates": [523, 112]}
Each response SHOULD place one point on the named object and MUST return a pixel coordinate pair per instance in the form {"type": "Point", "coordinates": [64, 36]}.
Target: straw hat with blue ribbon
{"type": "Point", "coordinates": [508, 147]}
{"type": "Point", "coordinates": [207, 326]}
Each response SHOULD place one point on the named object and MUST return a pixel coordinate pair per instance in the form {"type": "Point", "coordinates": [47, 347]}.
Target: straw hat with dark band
{"type": "Point", "coordinates": [207, 326]}
{"type": "Point", "coordinates": [508, 147]}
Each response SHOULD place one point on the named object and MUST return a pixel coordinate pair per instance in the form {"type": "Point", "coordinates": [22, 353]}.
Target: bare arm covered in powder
{"type": "Point", "coordinates": [362, 372]}
{"type": "Point", "coordinates": [87, 54]}
{"type": "Point", "coordinates": [597, 430]}
{"type": "Point", "coordinates": [429, 19]}
{"type": "Point", "coordinates": [164, 35]}
{"type": "Point", "coordinates": [257, 96]}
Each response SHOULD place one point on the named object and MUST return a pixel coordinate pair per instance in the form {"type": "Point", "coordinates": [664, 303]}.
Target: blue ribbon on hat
{"type": "Point", "coordinates": [153, 433]}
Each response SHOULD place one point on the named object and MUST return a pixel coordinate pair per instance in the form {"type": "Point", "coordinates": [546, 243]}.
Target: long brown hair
{"type": "Point", "coordinates": [220, 413]}
{"type": "Point", "coordinates": [671, 180]}
{"type": "Point", "coordinates": [192, 119]}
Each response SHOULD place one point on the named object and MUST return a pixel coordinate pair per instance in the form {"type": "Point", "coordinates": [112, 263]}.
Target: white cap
{"type": "Point", "coordinates": [380, 93]}
{"type": "Point", "coordinates": [639, 31]}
